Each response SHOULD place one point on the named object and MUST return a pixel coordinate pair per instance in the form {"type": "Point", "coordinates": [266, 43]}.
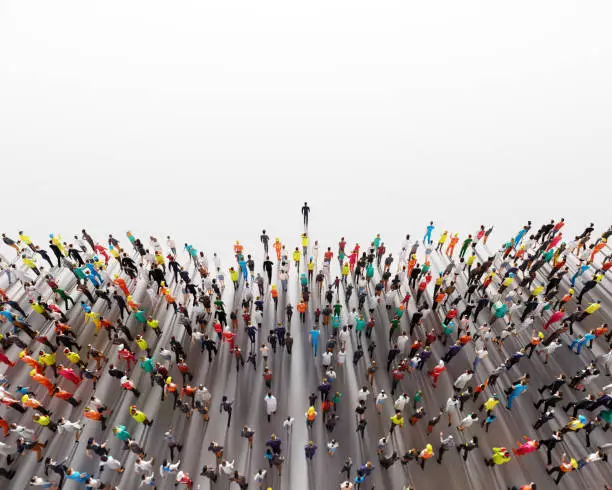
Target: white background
{"type": "Point", "coordinates": [211, 120]}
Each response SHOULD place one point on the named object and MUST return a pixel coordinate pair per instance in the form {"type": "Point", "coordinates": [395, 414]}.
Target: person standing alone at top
{"type": "Point", "coordinates": [305, 212]}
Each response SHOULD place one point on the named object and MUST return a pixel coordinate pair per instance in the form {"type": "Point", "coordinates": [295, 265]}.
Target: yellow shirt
{"type": "Point", "coordinates": [47, 359]}
{"type": "Point", "coordinates": [43, 420]}
{"type": "Point", "coordinates": [592, 308]}
{"type": "Point", "coordinates": [25, 239]}
{"type": "Point", "coordinates": [37, 308]}
{"type": "Point", "coordinates": [73, 357]}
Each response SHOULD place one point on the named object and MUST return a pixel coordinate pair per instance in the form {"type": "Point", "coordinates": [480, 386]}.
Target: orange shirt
{"type": "Point", "coordinates": [64, 395]}
{"type": "Point", "coordinates": [93, 414]}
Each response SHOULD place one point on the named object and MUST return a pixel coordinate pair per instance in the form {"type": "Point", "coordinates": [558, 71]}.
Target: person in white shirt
{"type": "Point", "coordinates": [166, 356]}
{"type": "Point", "coordinates": [330, 374]}
{"type": "Point", "coordinates": [147, 480]}
{"type": "Point", "coordinates": [202, 396]}
{"type": "Point", "coordinates": [271, 405]}
{"type": "Point", "coordinates": [467, 422]}
{"type": "Point", "coordinates": [326, 359]}
{"type": "Point", "coordinates": [332, 447]}
{"type": "Point", "coordinates": [22, 431]}
{"type": "Point", "coordinates": [259, 477]}
{"type": "Point", "coordinates": [402, 342]}
{"type": "Point", "coordinates": [97, 403]}
{"type": "Point", "coordinates": [344, 336]}
{"type": "Point", "coordinates": [37, 481]}
{"type": "Point", "coordinates": [171, 245]}
{"type": "Point", "coordinates": [341, 357]}
{"type": "Point", "coordinates": [111, 463]}
{"type": "Point", "coordinates": [226, 468]}
{"type": "Point", "coordinates": [288, 424]}
{"type": "Point", "coordinates": [380, 399]}
{"type": "Point", "coordinates": [92, 482]}
{"type": "Point", "coordinates": [67, 426]}
{"type": "Point", "coordinates": [142, 466]}
{"type": "Point", "coordinates": [346, 485]}
{"type": "Point", "coordinates": [363, 393]}
{"type": "Point", "coordinates": [401, 402]}
{"type": "Point", "coordinates": [168, 468]}
{"type": "Point", "coordinates": [451, 404]}
{"type": "Point", "coordinates": [463, 380]}
{"type": "Point", "coordinates": [216, 261]}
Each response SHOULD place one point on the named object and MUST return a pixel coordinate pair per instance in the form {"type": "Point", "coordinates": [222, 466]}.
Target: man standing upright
{"type": "Point", "coordinates": [305, 212]}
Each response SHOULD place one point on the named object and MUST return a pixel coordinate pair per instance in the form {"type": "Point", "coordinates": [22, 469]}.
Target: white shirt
{"type": "Point", "coordinates": [112, 463]}
{"type": "Point", "coordinates": [147, 480]}
{"type": "Point", "coordinates": [69, 426]}
{"type": "Point", "coordinates": [37, 481]}
{"type": "Point", "coordinates": [170, 468]}
{"type": "Point", "coordinates": [450, 404]}
{"type": "Point", "coordinates": [381, 397]}
{"type": "Point", "coordinates": [202, 395]}
{"type": "Point", "coordinates": [341, 357]}
{"type": "Point", "coordinates": [171, 243]}
{"type": "Point", "coordinates": [332, 446]}
{"type": "Point", "coordinates": [96, 402]}
{"type": "Point", "coordinates": [227, 468]}
{"type": "Point", "coordinates": [462, 380]}
{"type": "Point", "coordinates": [401, 402]}
{"type": "Point", "coordinates": [260, 475]}
{"type": "Point", "coordinates": [402, 341]}
{"type": "Point", "coordinates": [23, 431]}
{"type": "Point", "coordinates": [362, 395]}
{"type": "Point", "coordinates": [144, 467]}
{"type": "Point", "coordinates": [326, 358]}
{"type": "Point", "coordinates": [271, 404]}
{"type": "Point", "coordinates": [468, 421]}
{"type": "Point", "coordinates": [288, 423]}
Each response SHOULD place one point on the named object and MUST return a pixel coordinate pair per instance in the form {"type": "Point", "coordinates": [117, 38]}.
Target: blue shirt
{"type": "Point", "coordinates": [314, 334]}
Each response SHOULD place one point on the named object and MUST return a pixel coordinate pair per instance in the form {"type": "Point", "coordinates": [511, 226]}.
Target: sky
{"type": "Point", "coordinates": [210, 121]}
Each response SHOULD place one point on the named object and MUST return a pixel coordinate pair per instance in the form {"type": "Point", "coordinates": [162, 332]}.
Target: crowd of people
{"type": "Point", "coordinates": [397, 322]}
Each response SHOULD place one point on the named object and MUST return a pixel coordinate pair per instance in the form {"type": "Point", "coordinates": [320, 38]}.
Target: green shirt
{"type": "Point", "coordinates": [122, 433]}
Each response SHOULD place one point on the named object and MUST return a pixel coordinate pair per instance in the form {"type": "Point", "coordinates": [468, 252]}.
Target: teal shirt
{"type": "Point", "coordinates": [122, 433]}
{"type": "Point", "coordinates": [147, 365]}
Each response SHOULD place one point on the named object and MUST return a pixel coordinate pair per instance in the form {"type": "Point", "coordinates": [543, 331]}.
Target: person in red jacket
{"type": "Point", "coordinates": [5, 360]}
{"type": "Point", "coordinates": [554, 241]}
{"type": "Point", "coordinates": [69, 374]}
{"type": "Point", "coordinates": [450, 315]}
{"type": "Point", "coordinates": [436, 372]}
{"type": "Point", "coordinates": [183, 367]}
{"type": "Point", "coordinates": [229, 337]}
{"type": "Point", "coordinates": [557, 316]}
